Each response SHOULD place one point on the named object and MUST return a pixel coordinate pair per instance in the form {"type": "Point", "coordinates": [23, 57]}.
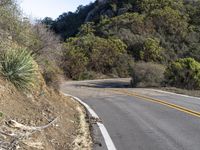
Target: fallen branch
{"type": "Point", "coordinates": [19, 135]}
{"type": "Point", "coordinates": [7, 134]}
{"type": "Point", "coordinates": [15, 124]}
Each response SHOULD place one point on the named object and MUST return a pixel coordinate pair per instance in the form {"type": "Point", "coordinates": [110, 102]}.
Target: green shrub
{"type": "Point", "coordinates": [151, 51]}
{"type": "Point", "coordinates": [91, 53]}
{"type": "Point", "coordinates": [170, 21]}
{"type": "Point", "coordinates": [105, 54]}
{"type": "Point", "coordinates": [150, 5]}
{"type": "Point", "coordinates": [74, 61]}
{"type": "Point", "coordinates": [147, 75]}
{"type": "Point", "coordinates": [183, 73]}
{"type": "Point", "coordinates": [18, 67]}
{"type": "Point", "coordinates": [123, 66]}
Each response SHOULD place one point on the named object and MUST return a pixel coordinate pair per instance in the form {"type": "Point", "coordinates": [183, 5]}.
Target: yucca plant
{"type": "Point", "coordinates": [18, 67]}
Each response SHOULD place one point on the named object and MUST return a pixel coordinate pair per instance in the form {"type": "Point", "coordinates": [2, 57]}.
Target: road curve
{"type": "Point", "coordinates": [133, 118]}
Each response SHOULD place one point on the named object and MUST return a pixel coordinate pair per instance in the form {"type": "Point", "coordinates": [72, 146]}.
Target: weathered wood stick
{"type": "Point", "coordinates": [15, 124]}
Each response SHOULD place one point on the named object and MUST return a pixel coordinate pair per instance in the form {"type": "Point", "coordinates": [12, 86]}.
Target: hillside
{"type": "Point", "coordinates": [133, 22]}
{"type": "Point", "coordinates": [38, 110]}
{"type": "Point", "coordinates": [150, 31]}
{"type": "Point", "coordinates": [33, 113]}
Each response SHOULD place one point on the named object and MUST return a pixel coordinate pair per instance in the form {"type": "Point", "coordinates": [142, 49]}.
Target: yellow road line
{"type": "Point", "coordinates": [162, 102]}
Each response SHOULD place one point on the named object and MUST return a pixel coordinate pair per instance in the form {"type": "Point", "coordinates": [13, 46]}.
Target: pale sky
{"type": "Point", "coordinates": [49, 8]}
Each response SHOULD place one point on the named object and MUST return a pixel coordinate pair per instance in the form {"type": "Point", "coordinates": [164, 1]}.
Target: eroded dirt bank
{"type": "Point", "coordinates": [60, 121]}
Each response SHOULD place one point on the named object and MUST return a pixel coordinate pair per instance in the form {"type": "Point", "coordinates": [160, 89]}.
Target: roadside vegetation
{"type": "Point", "coordinates": [19, 67]}
{"type": "Point", "coordinates": [30, 71]}
{"type": "Point", "coordinates": [157, 43]}
{"type": "Point", "coordinates": [183, 73]}
{"type": "Point", "coordinates": [147, 75]}
{"type": "Point", "coordinates": [26, 50]}
{"type": "Point", "coordinates": [87, 55]}
{"type": "Point", "coordinates": [124, 38]}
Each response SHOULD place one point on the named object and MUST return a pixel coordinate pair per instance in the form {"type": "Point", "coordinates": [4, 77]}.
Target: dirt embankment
{"type": "Point", "coordinates": [39, 109]}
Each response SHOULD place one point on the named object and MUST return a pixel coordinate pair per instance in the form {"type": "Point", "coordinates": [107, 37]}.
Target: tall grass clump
{"type": "Point", "coordinates": [18, 67]}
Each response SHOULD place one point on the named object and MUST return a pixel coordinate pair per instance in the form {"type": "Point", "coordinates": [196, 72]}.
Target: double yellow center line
{"type": "Point", "coordinates": [162, 102]}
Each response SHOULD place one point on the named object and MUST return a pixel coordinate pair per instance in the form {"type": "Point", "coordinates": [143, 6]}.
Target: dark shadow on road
{"type": "Point", "coordinates": [105, 84]}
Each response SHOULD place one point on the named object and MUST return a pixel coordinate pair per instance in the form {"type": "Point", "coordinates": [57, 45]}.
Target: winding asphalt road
{"type": "Point", "coordinates": [141, 119]}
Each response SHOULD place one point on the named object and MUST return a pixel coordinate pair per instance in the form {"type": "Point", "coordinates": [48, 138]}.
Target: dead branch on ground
{"type": "Point", "coordinates": [12, 133]}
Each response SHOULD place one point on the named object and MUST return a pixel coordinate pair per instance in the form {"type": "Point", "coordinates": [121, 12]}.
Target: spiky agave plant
{"type": "Point", "coordinates": [18, 67]}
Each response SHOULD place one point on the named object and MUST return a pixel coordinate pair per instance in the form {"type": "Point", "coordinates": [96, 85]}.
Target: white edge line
{"type": "Point", "coordinates": [109, 143]}
{"type": "Point", "coordinates": [161, 91]}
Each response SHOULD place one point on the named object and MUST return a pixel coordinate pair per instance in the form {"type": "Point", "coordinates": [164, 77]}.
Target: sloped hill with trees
{"type": "Point", "coordinates": [151, 31]}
